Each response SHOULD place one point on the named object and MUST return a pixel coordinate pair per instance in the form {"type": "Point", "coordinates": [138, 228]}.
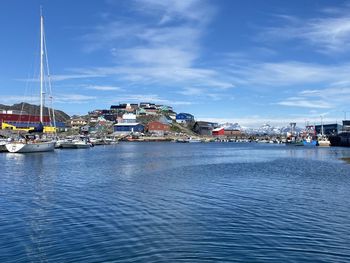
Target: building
{"type": "Point", "coordinates": [10, 119]}
{"type": "Point", "coordinates": [76, 123]}
{"type": "Point", "coordinates": [232, 133]}
{"type": "Point", "coordinates": [128, 128]}
{"type": "Point", "coordinates": [204, 128]}
{"type": "Point", "coordinates": [129, 118]}
{"type": "Point", "coordinates": [218, 132]}
{"type": "Point", "coordinates": [158, 128]}
{"type": "Point", "coordinates": [328, 129]}
{"type": "Point", "coordinates": [184, 118]}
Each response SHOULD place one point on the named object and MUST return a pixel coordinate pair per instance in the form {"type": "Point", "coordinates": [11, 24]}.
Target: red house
{"type": "Point", "coordinates": [218, 132]}
{"type": "Point", "coordinates": [157, 127]}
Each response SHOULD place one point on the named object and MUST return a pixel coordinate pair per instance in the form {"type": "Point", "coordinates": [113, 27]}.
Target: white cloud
{"type": "Point", "coordinates": [103, 88]}
{"type": "Point", "coordinates": [301, 102]}
{"type": "Point", "coordinates": [73, 98]}
{"type": "Point", "coordinates": [162, 49]}
{"type": "Point", "coordinates": [329, 34]}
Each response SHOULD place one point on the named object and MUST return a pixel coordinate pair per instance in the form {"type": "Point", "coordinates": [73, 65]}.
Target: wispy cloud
{"type": "Point", "coordinates": [329, 33]}
{"type": "Point", "coordinates": [287, 73]}
{"type": "Point", "coordinates": [162, 46]}
{"type": "Point", "coordinates": [328, 98]}
{"type": "Point", "coordinates": [149, 98]}
{"type": "Point", "coordinates": [103, 88]}
{"type": "Point", "coordinates": [302, 102]}
{"type": "Point", "coordinates": [73, 98]}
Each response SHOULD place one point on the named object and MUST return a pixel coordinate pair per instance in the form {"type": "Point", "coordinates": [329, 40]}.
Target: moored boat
{"type": "Point", "coordinates": [26, 144]}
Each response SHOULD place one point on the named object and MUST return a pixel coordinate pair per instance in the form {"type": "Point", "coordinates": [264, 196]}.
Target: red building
{"type": "Point", "coordinates": [158, 127]}
{"type": "Point", "coordinates": [21, 119]}
{"type": "Point", "coordinates": [218, 132]}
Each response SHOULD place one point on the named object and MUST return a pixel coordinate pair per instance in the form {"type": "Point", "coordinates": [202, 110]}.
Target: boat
{"type": "Point", "coordinates": [292, 138]}
{"type": "Point", "coordinates": [323, 140]}
{"type": "Point", "coordinates": [27, 144]}
{"type": "Point", "coordinates": [77, 143]}
{"type": "Point", "coordinates": [194, 140]}
{"type": "Point", "coordinates": [310, 141]}
{"type": "Point", "coordinates": [309, 136]}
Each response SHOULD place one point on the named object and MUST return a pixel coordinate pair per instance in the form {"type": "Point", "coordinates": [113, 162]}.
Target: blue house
{"type": "Point", "coordinates": [128, 128]}
{"type": "Point", "coordinates": [184, 117]}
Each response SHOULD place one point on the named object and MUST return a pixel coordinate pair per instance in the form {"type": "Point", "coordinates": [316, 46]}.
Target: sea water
{"type": "Point", "coordinates": [172, 202]}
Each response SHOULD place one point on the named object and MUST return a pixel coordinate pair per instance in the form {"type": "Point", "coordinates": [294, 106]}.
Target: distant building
{"type": "Point", "coordinates": [329, 129]}
{"type": "Point", "coordinates": [204, 128]}
{"type": "Point", "coordinates": [158, 128]}
{"type": "Point", "coordinates": [76, 123]}
{"type": "Point", "coordinates": [184, 118]}
{"type": "Point", "coordinates": [346, 126]}
{"type": "Point", "coordinates": [217, 132]}
{"type": "Point", "coordinates": [128, 128]}
{"type": "Point", "coordinates": [232, 133]}
{"type": "Point", "coordinates": [129, 118]}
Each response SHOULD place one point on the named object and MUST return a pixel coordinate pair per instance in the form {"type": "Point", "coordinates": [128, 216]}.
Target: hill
{"type": "Point", "coordinates": [35, 110]}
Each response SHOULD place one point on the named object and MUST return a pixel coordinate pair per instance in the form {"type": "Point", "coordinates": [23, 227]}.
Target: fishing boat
{"type": "Point", "coordinates": [323, 140]}
{"type": "Point", "coordinates": [28, 144]}
{"type": "Point", "coordinates": [309, 136]}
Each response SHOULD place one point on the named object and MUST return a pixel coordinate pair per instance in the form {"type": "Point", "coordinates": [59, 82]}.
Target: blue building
{"type": "Point", "coordinates": [184, 117]}
{"type": "Point", "coordinates": [128, 128]}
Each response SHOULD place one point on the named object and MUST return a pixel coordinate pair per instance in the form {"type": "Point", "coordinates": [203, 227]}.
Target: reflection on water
{"type": "Point", "coordinates": [168, 202]}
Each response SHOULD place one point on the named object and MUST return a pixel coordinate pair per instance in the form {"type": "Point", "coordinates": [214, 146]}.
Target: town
{"type": "Point", "coordinates": [146, 121]}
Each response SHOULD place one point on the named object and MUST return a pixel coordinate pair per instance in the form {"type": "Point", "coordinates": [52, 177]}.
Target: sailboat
{"type": "Point", "coordinates": [28, 143]}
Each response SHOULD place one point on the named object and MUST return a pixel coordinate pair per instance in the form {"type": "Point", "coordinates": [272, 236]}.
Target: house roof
{"type": "Point", "coordinates": [128, 124]}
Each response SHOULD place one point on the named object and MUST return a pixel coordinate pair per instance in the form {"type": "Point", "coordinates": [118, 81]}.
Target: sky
{"type": "Point", "coordinates": [245, 61]}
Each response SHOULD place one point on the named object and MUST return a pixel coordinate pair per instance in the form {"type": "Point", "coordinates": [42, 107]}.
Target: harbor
{"type": "Point", "coordinates": [182, 200]}
{"type": "Point", "coordinates": [148, 131]}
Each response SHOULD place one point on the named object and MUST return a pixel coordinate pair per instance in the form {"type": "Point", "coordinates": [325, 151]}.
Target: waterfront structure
{"type": "Point", "coordinates": [329, 129]}
{"type": "Point", "coordinates": [184, 117]}
{"type": "Point", "coordinates": [158, 128]}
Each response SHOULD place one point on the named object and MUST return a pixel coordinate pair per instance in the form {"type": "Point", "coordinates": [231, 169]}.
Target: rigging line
{"type": "Point", "coordinates": [49, 82]}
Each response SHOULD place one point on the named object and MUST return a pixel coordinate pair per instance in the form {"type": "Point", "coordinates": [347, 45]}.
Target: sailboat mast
{"type": "Point", "coordinates": [41, 65]}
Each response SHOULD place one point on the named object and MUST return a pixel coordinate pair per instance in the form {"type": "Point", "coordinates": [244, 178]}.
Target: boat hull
{"type": "Point", "coordinates": [325, 143]}
{"type": "Point", "coordinates": [30, 147]}
{"type": "Point", "coordinates": [310, 143]}
{"type": "Point", "coordinates": [74, 146]}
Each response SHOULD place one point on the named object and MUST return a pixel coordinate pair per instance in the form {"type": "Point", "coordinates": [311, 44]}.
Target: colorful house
{"type": "Point", "coordinates": [217, 132]}
{"type": "Point", "coordinates": [158, 128]}
{"type": "Point", "coordinates": [184, 118]}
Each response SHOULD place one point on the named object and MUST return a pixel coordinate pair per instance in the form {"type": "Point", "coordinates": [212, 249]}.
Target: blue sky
{"type": "Point", "coordinates": [250, 61]}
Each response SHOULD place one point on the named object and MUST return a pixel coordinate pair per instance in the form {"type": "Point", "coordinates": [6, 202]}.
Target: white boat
{"type": "Point", "coordinates": [323, 141]}
{"type": "Point", "coordinates": [27, 146]}
{"type": "Point", "coordinates": [193, 140]}
{"type": "Point", "coordinates": [78, 143]}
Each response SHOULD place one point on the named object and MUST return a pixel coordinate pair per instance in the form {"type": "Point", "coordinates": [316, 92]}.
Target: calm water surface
{"type": "Point", "coordinates": [168, 202]}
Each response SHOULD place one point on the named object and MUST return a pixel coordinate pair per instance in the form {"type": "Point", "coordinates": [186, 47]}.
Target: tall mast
{"type": "Point", "coordinates": [41, 64]}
